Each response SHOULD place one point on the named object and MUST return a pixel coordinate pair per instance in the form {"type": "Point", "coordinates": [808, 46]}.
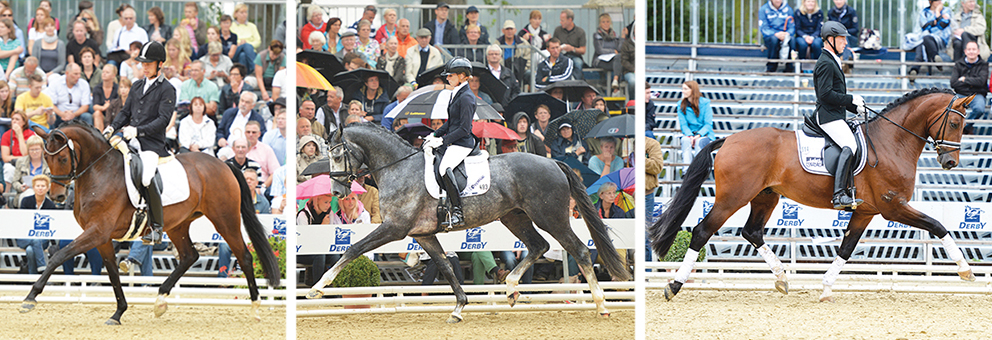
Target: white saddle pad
{"type": "Point", "coordinates": [175, 184]}
{"type": "Point", "coordinates": [476, 168]}
{"type": "Point", "coordinates": [811, 153]}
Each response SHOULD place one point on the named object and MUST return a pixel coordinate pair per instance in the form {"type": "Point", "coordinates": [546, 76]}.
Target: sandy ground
{"type": "Point", "coordinates": [512, 325]}
{"type": "Point", "coordinates": [771, 315]}
{"type": "Point", "coordinates": [78, 321]}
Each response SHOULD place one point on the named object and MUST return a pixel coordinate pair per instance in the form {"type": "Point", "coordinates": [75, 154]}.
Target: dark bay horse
{"type": "Point", "coordinates": [743, 175]}
{"type": "Point", "coordinates": [526, 190]}
{"type": "Point", "coordinates": [78, 152]}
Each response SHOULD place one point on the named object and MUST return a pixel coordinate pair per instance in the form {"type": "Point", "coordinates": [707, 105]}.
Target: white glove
{"type": "Point", "coordinates": [859, 101]}
{"type": "Point", "coordinates": [108, 131]}
{"type": "Point", "coordinates": [130, 132]}
{"type": "Point", "coordinates": [432, 142]}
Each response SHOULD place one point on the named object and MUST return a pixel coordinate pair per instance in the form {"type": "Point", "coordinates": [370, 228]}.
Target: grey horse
{"type": "Point", "coordinates": [525, 188]}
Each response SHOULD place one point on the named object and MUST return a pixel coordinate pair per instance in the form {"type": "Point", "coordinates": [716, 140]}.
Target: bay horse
{"type": "Point", "coordinates": [526, 190]}
{"type": "Point", "coordinates": [896, 139]}
{"type": "Point", "coordinates": [77, 152]}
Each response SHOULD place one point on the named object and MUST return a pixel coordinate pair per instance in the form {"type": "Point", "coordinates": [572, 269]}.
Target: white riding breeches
{"type": "Point", "coordinates": [841, 134]}
{"type": "Point", "coordinates": [452, 156]}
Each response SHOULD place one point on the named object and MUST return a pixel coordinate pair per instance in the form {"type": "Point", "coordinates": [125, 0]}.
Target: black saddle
{"type": "Point", "coordinates": [830, 149]}
{"type": "Point", "coordinates": [136, 170]}
{"type": "Point", "coordinates": [461, 176]}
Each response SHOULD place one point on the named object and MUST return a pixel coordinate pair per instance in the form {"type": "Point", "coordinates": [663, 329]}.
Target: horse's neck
{"type": "Point", "coordinates": [889, 139]}
{"type": "Point", "coordinates": [380, 152]}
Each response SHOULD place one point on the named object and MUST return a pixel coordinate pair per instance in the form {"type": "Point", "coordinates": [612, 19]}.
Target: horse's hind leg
{"type": "Point", "coordinates": [90, 238]}
{"type": "Point", "coordinates": [108, 255]}
{"type": "Point", "coordinates": [562, 231]}
{"type": "Point", "coordinates": [855, 228]}
{"type": "Point", "coordinates": [187, 256]}
{"type": "Point", "coordinates": [433, 248]}
{"type": "Point", "coordinates": [520, 225]}
{"type": "Point", "coordinates": [754, 232]}
{"type": "Point", "coordinates": [701, 233]}
{"type": "Point", "coordinates": [231, 233]}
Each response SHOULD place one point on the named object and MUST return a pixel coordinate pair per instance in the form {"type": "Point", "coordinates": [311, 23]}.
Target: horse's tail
{"type": "Point", "coordinates": [663, 232]}
{"type": "Point", "coordinates": [256, 232]}
{"type": "Point", "coordinates": [600, 235]}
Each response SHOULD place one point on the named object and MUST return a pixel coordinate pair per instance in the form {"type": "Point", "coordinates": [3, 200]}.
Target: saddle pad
{"type": "Point", "coordinates": [476, 168]}
{"type": "Point", "coordinates": [811, 152]}
{"type": "Point", "coordinates": [175, 184]}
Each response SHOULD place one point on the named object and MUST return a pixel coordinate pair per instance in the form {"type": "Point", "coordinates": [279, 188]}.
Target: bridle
{"type": "Point", "coordinates": [941, 145]}
{"type": "Point", "coordinates": [64, 180]}
{"type": "Point", "coordinates": [353, 171]}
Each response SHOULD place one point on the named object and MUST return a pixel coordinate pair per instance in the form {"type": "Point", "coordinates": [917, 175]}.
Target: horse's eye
{"type": "Point", "coordinates": [954, 125]}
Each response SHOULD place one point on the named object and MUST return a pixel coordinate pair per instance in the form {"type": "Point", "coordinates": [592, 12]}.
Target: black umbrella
{"type": "Point", "coordinates": [427, 77]}
{"type": "Point", "coordinates": [582, 122]}
{"type": "Point", "coordinates": [327, 64]}
{"type": "Point", "coordinates": [528, 102]}
{"type": "Point", "coordinates": [411, 131]}
{"type": "Point", "coordinates": [488, 83]}
{"type": "Point", "coordinates": [352, 81]}
{"type": "Point", "coordinates": [616, 126]}
{"type": "Point", "coordinates": [588, 176]}
{"type": "Point", "coordinates": [321, 166]}
{"type": "Point", "coordinates": [574, 89]}
{"type": "Point", "coordinates": [434, 105]}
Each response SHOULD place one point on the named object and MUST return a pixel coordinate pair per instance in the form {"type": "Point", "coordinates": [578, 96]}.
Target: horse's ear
{"type": "Point", "coordinates": [40, 132]}
{"type": "Point", "coordinates": [337, 135]}
{"type": "Point", "coordinates": [963, 102]}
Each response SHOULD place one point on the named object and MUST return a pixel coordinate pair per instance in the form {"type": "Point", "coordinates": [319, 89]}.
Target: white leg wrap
{"type": "Point", "coordinates": [772, 260]}
{"type": "Point", "coordinates": [953, 251]}
{"type": "Point", "coordinates": [831, 276]}
{"type": "Point", "coordinates": [687, 263]}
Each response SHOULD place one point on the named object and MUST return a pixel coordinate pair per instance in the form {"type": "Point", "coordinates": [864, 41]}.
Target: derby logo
{"type": "Point", "coordinates": [473, 239]}
{"type": "Point", "coordinates": [278, 226]}
{"type": "Point", "coordinates": [972, 219]}
{"type": "Point", "coordinates": [42, 226]}
{"type": "Point", "coordinates": [790, 215]}
{"type": "Point", "coordinates": [843, 218]}
{"type": "Point", "coordinates": [707, 206]}
{"type": "Point", "coordinates": [591, 243]}
{"type": "Point", "coordinates": [413, 245]}
{"type": "Point", "coordinates": [342, 239]}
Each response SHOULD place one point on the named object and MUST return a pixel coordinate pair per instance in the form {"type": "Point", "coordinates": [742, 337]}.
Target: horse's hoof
{"type": "Point", "coordinates": [314, 294]}
{"type": "Point", "coordinates": [828, 298]}
{"type": "Point", "coordinates": [967, 275]}
{"type": "Point", "coordinates": [27, 307]}
{"type": "Point", "coordinates": [160, 306]}
{"type": "Point", "coordinates": [782, 287]}
{"type": "Point", "coordinates": [671, 289]}
{"type": "Point", "coordinates": [255, 313]}
{"type": "Point", "coordinates": [512, 298]}
{"type": "Point", "coordinates": [454, 319]}
{"type": "Point", "coordinates": [605, 315]}
{"type": "Point", "coordinates": [112, 322]}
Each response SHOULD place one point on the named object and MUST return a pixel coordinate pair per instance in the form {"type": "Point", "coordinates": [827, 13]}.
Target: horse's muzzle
{"type": "Point", "coordinates": [59, 199]}
{"type": "Point", "coordinates": [947, 161]}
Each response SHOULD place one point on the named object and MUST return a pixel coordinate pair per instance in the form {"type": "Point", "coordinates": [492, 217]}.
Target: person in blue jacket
{"type": "Point", "coordinates": [777, 27]}
{"type": "Point", "coordinates": [809, 20]}
{"type": "Point", "coordinates": [695, 120]}
{"type": "Point", "coordinates": [935, 21]}
{"type": "Point", "coordinates": [848, 17]}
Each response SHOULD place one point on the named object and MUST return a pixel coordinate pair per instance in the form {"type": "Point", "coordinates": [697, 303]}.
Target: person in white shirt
{"type": "Point", "coordinates": [197, 131]}
{"type": "Point", "coordinates": [71, 96]}
{"type": "Point", "coordinates": [129, 32]}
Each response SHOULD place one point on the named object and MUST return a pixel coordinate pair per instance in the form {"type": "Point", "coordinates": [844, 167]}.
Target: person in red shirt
{"type": "Point", "coordinates": [12, 143]}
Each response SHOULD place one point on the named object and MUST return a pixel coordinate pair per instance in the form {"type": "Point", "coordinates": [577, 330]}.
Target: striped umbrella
{"type": "Point", "coordinates": [308, 77]}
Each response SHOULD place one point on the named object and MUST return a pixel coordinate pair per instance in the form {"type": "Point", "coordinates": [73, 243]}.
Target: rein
{"type": "Point", "coordinates": [351, 175]}
{"type": "Point", "coordinates": [72, 175]}
{"type": "Point", "coordinates": [948, 147]}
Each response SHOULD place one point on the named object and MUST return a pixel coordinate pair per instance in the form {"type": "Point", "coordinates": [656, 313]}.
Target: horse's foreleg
{"type": "Point", "coordinates": [384, 233]}
{"type": "Point", "coordinates": [920, 220]}
{"type": "Point", "coordinates": [108, 255]}
{"type": "Point", "coordinates": [754, 232]}
{"type": "Point", "coordinates": [89, 239]}
{"type": "Point", "coordinates": [521, 227]}
{"type": "Point", "coordinates": [187, 256]}
{"type": "Point", "coordinates": [432, 246]}
{"type": "Point", "coordinates": [855, 228]}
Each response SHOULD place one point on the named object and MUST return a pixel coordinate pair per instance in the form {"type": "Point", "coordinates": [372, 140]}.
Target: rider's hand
{"type": "Point", "coordinates": [108, 131]}
{"type": "Point", "coordinates": [859, 101]}
{"type": "Point", "coordinates": [432, 142]}
{"type": "Point", "coordinates": [129, 132]}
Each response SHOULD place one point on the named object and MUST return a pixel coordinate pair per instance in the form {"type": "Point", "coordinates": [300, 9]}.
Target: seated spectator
{"type": "Point", "coordinates": [115, 25]}
{"type": "Point", "coordinates": [239, 50]}
{"type": "Point", "coordinates": [309, 111]}
{"type": "Point", "coordinates": [573, 41]}
{"type": "Point", "coordinates": [356, 109]}
{"type": "Point", "coordinates": [366, 46]}
{"type": "Point", "coordinates": [233, 121]}
{"type": "Point", "coordinates": [606, 161]}
{"type": "Point", "coordinates": [10, 48]}
{"type": "Point", "coordinates": [330, 114]}
{"type": "Point", "coordinates": [26, 168]}
{"type": "Point", "coordinates": [213, 35]}
{"type": "Point", "coordinates": [115, 105]}
{"type": "Point", "coordinates": [607, 196]}
{"type": "Point", "coordinates": [936, 22]}
{"type": "Point", "coordinates": [315, 23]}
{"type": "Point", "coordinates": [34, 248]}
{"type": "Point", "coordinates": [351, 211]}
{"type": "Point", "coordinates": [600, 104]}
{"type": "Point", "coordinates": [121, 41]}
{"type": "Point", "coordinates": [809, 20]}
{"type": "Point", "coordinates": [216, 65]}
{"type": "Point", "coordinates": [970, 77]}
{"type": "Point", "coordinates": [353, 61]}
{"type": "Point", "coordinates": [404, 38]}
{"type": "Point", "coordinates": [303, 128]}
{"type": "Point", "coordinates": [349, 41]}
{"type": "Point", "coordinates": [389, 28]}
{"type": "Point", "coordinates": [261, 207]}
{"type": "Point", "coordinates": [20, 81]}
{"type": "Point", "coordinates": [392, 62]}
{"type": "Point", "coordinates": [401, 94]}
{"type": "Point", "coordinates": [848, 17]}
{"type": "Point", "coordinates": [539, 128]}
{"type": "Point", "coordinates": [177, 60]}
{"type": "Point", "coordinates": [6, 105]}
{"type": "Point", "coordinates": [8, 13]}
{"type": "Point", "coordinates": [37, 106]}
{"type": "Point", "coordinates": [333, 35]}
{"type": "Point", "coordinates": [131, 68]}
{"type": "Point", "coordinates": [436, 123]}
{"type": "Point", "coordinates": [533, 33]}
{"type": "Point", "coordinates": [968, 25]}
{"type": "Point", "coordinates": [607, 49]}
{"type": "Point", "coordinates": [261, 152]}
{"type": "Point", "coordinates": [777, 29]}
{"type": "Point", "coordinates": [627, 54]}
{"type": "Point", "coordinates": [484, 265]}
{"type": "Point", "coordinates": [516, 59]}
{"type": "Point", "coordinates": [275, 138]}
{"type": "Point", "coordinates": [36, 26]}
{"type": "Point", "coordinates": [473, 85]}
{"type": "Point", "coordinates": [266, 64]}
{"type": "Point", "coordinates": [472, 18]}
{"type": "Point", "coordinates": [240, 158]}
{"type": "Point", "coordinates": [555, 68]}
{"type": "Point", "coordinates": [230, 93]}
{"type": "Point", "coordinates": [91, 70]}
{"type": "Point", "coordinates": [198, 86]}
{"type": "Point", "coordinates": [191, 24]}
{"type": "Point", "coordinates": [317, 40]}
{"type": "Point", "coordinates": [373, 98]}
{"type": "Point", "coordinates": [79, 41]}
{"type": "Point", "coordinates": [93, 30]}
{"type": "Point", "coordinates": [47, 6]}
{"type": "Point", "coordinates": [443, 32]}
{"type": "Point", "coordinates": [157, 29]}
{"type": "Point", "coordinates": [568, 144]}
{"type": "Point", "coordinates": [422, 57]}
{"type": "Point", "coordinates": [526, 141]}
{"type": "Point", "coordinates": [197, 131]}
{"type": "Point", "coordinates": [70, 96]}
{"type": "Point", "coordinates": [317, 211]}
{"type": "Point", "coordinates": [49, 50]}
{"type": "Point", "coordinates": [695, 121]}
{"type": "Point", "coordinates": [586, 102]}
{"type": "Point", "coordinates": [472, 37]}
{"type": "Point", "coordinates": [367, 15]}
{"type": "Point", "coordinates": [369, 199]}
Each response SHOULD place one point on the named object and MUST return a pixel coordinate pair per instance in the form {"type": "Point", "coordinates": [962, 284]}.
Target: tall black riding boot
{"type": "Point", "coordinates": [844, 181]}
{"type": "Point", "coordinates": [456, 219]}
{"type": "Point", "coordinates": [155, 217]}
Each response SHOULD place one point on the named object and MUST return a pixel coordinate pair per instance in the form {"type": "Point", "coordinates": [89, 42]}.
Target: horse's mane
{"type": "Point", "coordinates": [381, 132]}
{"type": "Point", "coordinates": [79, 123]}
{"type": "Point", "coordinates": [910, 96]}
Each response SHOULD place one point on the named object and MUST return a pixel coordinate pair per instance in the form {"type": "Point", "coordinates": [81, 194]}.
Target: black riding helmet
{"type": "Point", "coordinates": [833, 29]}
{"type": "Point", "coordinates": [457, 65]}
{"type": "Point", "coordinates": [151, 51]}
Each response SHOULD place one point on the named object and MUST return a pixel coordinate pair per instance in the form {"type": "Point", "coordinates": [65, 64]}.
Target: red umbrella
{"type": "Point", "coordinates": [493, 130]}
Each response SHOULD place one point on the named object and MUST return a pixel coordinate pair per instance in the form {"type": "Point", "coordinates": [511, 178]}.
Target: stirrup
{"type": "Point", "coordinates": [842, 200]}
{"type": "Point", "coordinates": [154, 235]}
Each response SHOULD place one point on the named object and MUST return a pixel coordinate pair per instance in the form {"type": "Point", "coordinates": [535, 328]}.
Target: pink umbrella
{"type": "Point", "coordinates": [321, 185]}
